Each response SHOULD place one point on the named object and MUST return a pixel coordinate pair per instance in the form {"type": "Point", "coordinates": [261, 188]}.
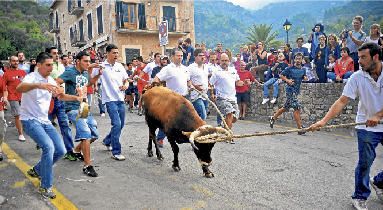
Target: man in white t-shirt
{"type": "Point", "coordinates": [367, 85]}
{"type": "Point", "coordinates": [175, 75]}
{"type": "Point", "coordinates": [199, 78]}
{"type": "Point", "coordinates": [114, 82]}
{"type": "Point", "coordinates": [224, 81]}
{"type": "Point", "coordinates": [38, 89]}
{"type": "Point", "coordinates": [149, 68]}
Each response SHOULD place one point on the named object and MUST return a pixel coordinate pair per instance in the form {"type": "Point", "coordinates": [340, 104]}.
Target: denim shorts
{"type": "Point", "coordinates": [86, 128]}
{"type": "Point", "coordinates": [243, 97]}
{"type": "Point", "coordinates": [292, 101]}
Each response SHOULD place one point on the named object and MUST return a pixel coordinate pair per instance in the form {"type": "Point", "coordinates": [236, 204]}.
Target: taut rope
{"type": "Point", "coordinates": [213, 138]}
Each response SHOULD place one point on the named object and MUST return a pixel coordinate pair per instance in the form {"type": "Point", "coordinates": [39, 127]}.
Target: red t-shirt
{"type": "Point", "coordinates": [13, 78]}
{"type": "Point", "coordinates": [243, 75]}
{"type": "Point", "coordinates": [2, 88]}
{"type": "Point", "coordinates": [141, 83]}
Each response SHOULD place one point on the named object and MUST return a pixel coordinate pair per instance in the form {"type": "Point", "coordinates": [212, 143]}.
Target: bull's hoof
{"type": "Point", "coordinates": [159, 157]}
{"type": "Point", "coordinates": [209, 175]}
{"type": "Point", "coordinates": [150, 153]}
{"type": "Point", "coordinates": [176, 168]}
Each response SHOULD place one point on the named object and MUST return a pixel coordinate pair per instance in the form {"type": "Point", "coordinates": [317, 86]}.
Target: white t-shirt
{"type": "Point", "coordinates": [213, 67]}
{"type": "Point", "coordinates": [198, 76]}
{"type": "Point", "coordinates": [369, 40]}
{"type": "Point", "coordinates": [176, 78]}
{"type": "Point", "coordinates": [370, 94]}
{"type": "Point", "coordinates": [149, 68]}
{"type": "Point", "coordinates": [35, 103]}
{"type": "Point", "coordinates": [224, 83]}
{"type": "Point", "coordinates": [111, 79]}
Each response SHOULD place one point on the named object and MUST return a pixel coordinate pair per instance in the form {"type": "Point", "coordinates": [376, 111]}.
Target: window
{"type": "Point", "coordinates": [131, 53]}
{"type": "Point", "coordinates": [79, 3]}
{"type": "Point", "coordinates": [57, 20]}
{"type": "Point", "coordinates": [51, 17]}
{"type": "Point", "coordinates": [69, 5]}
{"type": "Point", "coordinates": [90, 29]}
{"type": "Point", "coordinates": [129, 15]}
{"type": "Point", "coordinates": [81, 29]}
{"type": "Point", "coordinates": [71, 35]}
{"type": "Point", "coordinates": [170, 15]}
{"type": "Point", "coordinates": [63, 19]}
{"type": "Point", "coordinates": [141, 16]}
{"type": "Point", "coordinates": [100, 22]}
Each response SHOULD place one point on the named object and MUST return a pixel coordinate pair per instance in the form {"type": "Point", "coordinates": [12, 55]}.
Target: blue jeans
{"type": "Point", "coordinates": [116, 111]}
{"type": "Point", "coordinates": [199, 106]}
{"type": "Point", "coordinates": [86, 128]}
{"type": "Point", "coordinates": [62, 118]}
{"type": "Point", "coordinates": [367, 142]}
{"type": "Point", "coordinates": [332, 76]}
{"type": "Point", "coordinates": [161, 134]}
{"type": "Point", "coordinates": [274, 83]}
{"type": "Point", "coordinates": [46, 136]}
{"type": "Point", "coordinates": [206, 102]}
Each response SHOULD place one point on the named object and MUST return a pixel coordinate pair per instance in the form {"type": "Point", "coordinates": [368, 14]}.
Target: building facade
{"type": "Point", "coordinates": [130, 24]}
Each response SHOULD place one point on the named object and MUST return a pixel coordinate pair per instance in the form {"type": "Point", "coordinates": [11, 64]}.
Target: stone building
{"type": "Point", "coordinates": [130, 24]}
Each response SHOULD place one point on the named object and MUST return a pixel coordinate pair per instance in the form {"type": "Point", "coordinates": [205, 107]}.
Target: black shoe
{"type": "Point", "coordinates": [301, 132]}
{"type": "Point", "coordinates": [272, 121]}
{"type": "Point", "coordinates": [31, 172]}
{"type": "Point", "coordinates": [79, 156]}
{"type": "Point", "coordinates": [89, 170]}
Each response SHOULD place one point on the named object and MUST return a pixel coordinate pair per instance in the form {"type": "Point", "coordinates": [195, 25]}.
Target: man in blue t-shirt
{"type": "Point", "coordinates": [76, 80]}
{"type": "Point", "coordinates": [293, 76]}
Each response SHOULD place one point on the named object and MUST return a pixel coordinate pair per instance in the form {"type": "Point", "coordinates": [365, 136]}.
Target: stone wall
{"type": "Point", "coordinates": [315, 98]}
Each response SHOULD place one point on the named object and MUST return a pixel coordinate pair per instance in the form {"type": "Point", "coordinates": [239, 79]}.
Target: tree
{"type": "Point", "coordinates": [263, 33]}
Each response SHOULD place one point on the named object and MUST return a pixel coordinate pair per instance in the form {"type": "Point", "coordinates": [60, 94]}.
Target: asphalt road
{"type": "Point", "coordinates": [314, 171]}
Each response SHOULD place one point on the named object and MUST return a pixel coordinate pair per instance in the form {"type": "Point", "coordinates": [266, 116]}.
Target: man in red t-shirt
{"type": "Point", "coordinates": [3, 96]}
{"type": "Point", "coordinates": [243, 92]}
{"type": "Point", "coordinates": [12, 78]}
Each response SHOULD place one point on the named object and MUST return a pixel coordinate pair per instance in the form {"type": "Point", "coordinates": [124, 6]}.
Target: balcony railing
{"type": "Point", "coordinates": [76, 7]}
{"type": "Point", "coordinates": [76, 41]}
{"type": "Point", "coordinates": [54, 29]}
{"type": "Point", "coordinates": [149, 24]}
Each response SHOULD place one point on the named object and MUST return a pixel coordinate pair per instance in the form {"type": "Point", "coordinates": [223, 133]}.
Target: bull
{"type": "Point", "coordinates": [177, 117]}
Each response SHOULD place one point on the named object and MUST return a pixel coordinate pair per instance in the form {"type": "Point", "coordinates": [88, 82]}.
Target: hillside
{"type": "Point", "coordinates": [23, 26]}
{"type": "Point", "coordinates": [221, 21]}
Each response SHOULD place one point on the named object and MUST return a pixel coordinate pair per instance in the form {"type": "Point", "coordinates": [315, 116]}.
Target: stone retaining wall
{"type": "Point", "coordinates": [315, 98]}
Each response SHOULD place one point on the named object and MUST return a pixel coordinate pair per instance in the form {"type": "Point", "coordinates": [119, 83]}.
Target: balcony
{"type": "Point", "coordinates": [75, 7]}
{"type": "Point", "coordinates": [76, 11]}
{"type": "Point", "coordinates": [76, 40]}
{"type": "Point", "coordinates": [149, 25]}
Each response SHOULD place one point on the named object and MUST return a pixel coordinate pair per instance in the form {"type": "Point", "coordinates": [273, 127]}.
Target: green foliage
{"type": "Point", "coordinates": [263, 33]}
{"type": "Point", "coordinates": [23, 26]}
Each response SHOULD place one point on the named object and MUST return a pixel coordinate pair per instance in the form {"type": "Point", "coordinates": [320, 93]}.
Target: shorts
{"type": "Point", "coordinates": [226, 106]}
{"type": "Point", "coordinates": [292, 101]}
{"type": "Point", "coordinates": [15, 108]}
{"type": "Point", "coordinates": [86, 128]}
{"type": "Point", "coordinates": [243, 97]}
{"type": "Point", "coordinates": [131, 90]}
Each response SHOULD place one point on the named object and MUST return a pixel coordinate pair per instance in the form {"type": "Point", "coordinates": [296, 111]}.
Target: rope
{"type": "Point", "coordinates": [213, 138]}
{"type": "Point", "coordinates": [216, 108]}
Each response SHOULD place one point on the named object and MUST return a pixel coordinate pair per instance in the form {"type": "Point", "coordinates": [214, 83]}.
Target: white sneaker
{"type": "Point", "coordinates": [265, 100]}
{"type": "Point", "coordinates": [103, 115]}
{"type": "Point", "coordinates": [379, 192]}
{"type": "Point", "coordinates": [21, 137]}
{"type": "Point", "coordinates": [273, 100]}
{"type": "Point", "coordinates": [118, 157]}
{"type": "Point", "coordinates": [359, 204]}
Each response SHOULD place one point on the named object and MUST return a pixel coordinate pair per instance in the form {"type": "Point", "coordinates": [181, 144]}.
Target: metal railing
{"type": "Point", "coordinates": [147, 22]}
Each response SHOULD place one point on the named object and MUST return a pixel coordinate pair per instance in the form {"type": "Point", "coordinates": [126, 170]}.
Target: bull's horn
{"type": "Point", "coordinates": [192, 136]}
